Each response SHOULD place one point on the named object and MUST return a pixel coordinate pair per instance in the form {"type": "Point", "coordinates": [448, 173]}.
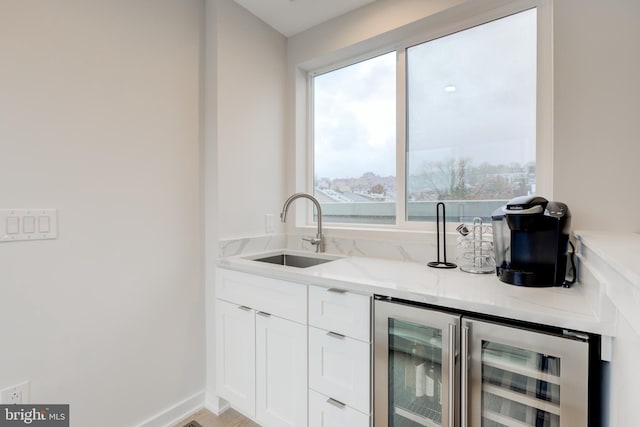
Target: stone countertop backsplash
{"type": "Point", "coordinates": [402, 250]}
{"type": "Point", "coordinates": [398, 269]}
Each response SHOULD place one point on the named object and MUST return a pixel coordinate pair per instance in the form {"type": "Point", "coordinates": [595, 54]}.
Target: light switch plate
{"type": "Point", "coordinates": [268, 223]}
{"type": "Point", "coordinates": [28, 224]}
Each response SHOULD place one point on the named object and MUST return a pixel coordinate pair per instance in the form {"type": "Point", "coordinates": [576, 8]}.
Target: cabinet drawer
{"type": "Point", "coordinates": [277, 297]}
{"type": "Point", "coordinates": [323, 413]}
{"type": "Point", "coordinates": [342, 312]}
{"type": "Point", "coordinates": [339, 367]}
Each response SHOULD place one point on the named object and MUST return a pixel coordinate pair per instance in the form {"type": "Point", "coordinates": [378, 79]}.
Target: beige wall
{"type": "Point", "coordinates": [359, 26]}
{"type": "Point", "coordinates": [250, 115]}
{"type": "Point", "coordinates": [244, 153]}
{"type": "Point", "coordinates": [597, 130]}
{"type": "Point", "coordinates": [99, 118]}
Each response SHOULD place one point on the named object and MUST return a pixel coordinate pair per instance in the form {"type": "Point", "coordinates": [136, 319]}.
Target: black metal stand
{"type": "Point", "coordinates": [444, 263]}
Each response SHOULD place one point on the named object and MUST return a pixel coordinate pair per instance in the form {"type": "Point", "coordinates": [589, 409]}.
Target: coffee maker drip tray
{"type": "Point", "coordinates": [542, 278]}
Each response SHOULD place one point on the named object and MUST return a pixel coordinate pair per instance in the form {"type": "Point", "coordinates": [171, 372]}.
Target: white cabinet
{"type": "Point", "coordinates": [339, 358]}
{"type": "Point", "coordinates": [235, 356]}
{"type": "Point", "coordinates": [339, 367]}
{"type": "Point", "coordinates": [343, 312]}
{"type": "Point", "coordinates": [326, 412]}
{"type": "Point", "coordinates": [277, 297]}
{"type": "Point", "coordinates": [261, 347]}
{"type": "Point", "coordinates": [281, 367]}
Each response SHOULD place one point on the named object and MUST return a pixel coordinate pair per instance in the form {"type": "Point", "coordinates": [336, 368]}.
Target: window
{"type": "Point", "coordinates": [354, 140]}
{"type": "Point", "coordinates": [471, 118]}
{"type": "Point", "coordinates": [468, 112]}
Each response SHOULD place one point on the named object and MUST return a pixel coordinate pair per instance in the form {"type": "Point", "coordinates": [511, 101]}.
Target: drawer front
{"type": "Point", "coordinates": [339, 367]}
{"type": "Point", "coordinates": [323, 413]}
{"type": "Point", "coordinates": [342, 312]}
{"type": "Point", "coordinates": [278, 297]}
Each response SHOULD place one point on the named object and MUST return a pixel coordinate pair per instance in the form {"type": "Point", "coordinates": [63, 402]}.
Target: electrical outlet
{"type": "Point", "coordinates": [16, 394]}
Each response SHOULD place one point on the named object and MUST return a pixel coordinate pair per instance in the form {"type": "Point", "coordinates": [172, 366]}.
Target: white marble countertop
{"type": "Point", "coordinates": [611, 259]}
{"type": "Point", "coordinates": [573, 308]}
{"type": "Point", "coordinates": [621, 251]}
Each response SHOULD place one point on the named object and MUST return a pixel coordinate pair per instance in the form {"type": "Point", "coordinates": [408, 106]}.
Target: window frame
{"type": "Point", "coordinates": [447, 25]}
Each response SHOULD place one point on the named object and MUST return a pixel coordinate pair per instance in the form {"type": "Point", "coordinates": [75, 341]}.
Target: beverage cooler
{"type": "Point", "coordinates": [436, 368]}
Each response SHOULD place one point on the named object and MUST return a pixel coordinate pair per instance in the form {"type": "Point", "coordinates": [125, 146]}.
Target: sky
{"type": "Point", "coordinates": [355, 121]}
{"type": "Point", "coordinates": [470, 94]}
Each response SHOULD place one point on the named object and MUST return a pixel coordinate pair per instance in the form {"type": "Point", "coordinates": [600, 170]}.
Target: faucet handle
{"type": "Point", "coordinates": [313, 240]}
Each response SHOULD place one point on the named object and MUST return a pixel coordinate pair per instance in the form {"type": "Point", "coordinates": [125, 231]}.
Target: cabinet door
{"type": "Point", "coordinates": [281, 372]}
{"type": "Point", "coordinates": [235, 355]}
{"type": "Point", "coordinates": [339, 367]}
{"type": "Point", "coordinates": [326, 412]}
{"type": "Point", "coordinates": [521, 377]}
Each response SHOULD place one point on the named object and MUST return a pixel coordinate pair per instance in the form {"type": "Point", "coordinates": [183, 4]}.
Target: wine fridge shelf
{"type": "Point", "coordinates": [518, 367]}
{"type": "Point", "coordinates": [522, 398]}
{"type": "Point", "coordinates": [432, 419]}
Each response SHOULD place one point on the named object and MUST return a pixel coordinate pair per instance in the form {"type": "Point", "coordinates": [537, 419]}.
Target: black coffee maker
{"type": "Point", "coordinates": [531, 237]}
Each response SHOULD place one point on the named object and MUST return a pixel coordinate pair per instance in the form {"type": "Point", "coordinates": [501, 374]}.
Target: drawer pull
{"type": "Point", "coordinates": [336, 403]}
{"type": "Point", "coordinates": [262, 313]}
{"type": "Point", "coordinates": [337, 290]}
{"type": "Point", "coordinates": [244, 307]}
{"type": "Point", "coordinates": [335, 335]}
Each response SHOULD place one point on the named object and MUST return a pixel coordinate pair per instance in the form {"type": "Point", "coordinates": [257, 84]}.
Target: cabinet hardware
{"type": "Point", "coordinates": [262, 313]}
{"type": "Point", "coordinates": [336, 403]}
{"type": "Point", "coordinates": [244, 307]}
{"type": "Point", "coordinates": [452, 364]}
{"type": "Point", "coordinates": [464, 377]}
{"type": "Point", "coordinates": [337, 290]}
{"type": "Point", "coordinates": [335, 335]}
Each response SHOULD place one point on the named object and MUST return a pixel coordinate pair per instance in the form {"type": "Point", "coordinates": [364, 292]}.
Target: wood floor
{"type": "Point", "coordinates": [228, 418]}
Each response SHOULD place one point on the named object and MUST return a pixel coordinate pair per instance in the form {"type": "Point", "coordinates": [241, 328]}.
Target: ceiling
{"type": "Point", "coordinates": [290, 17]}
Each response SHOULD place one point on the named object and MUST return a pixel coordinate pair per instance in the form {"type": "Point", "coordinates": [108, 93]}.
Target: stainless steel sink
{"type": "Point", "coordinates": [291, 260]}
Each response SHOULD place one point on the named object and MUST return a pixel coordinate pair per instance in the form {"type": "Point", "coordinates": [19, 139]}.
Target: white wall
{"type": "Point", "coordinates": [624, 385]}
{"type": "Point", "coordinates": [597, 131]}
{"type": "Point", "coordinates": [360, 25]}
{"type": "Point", "coordinates": [244, 154]}
{"type": "Point", "coordinates": [210, 194]}
{"type": "Point", "coordinates": [99, 118]}
{"type": "Point", "coordinates": [251, 72]}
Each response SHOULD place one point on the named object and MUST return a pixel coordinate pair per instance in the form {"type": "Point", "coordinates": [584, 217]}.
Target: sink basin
{"type": "Point", "coordinates": [292, 260]}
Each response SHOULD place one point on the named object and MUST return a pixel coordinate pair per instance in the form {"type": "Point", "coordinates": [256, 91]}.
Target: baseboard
{"type": "Point", "coordinates": [216, 405]}
{"type": "Point", "coordinates": [177, 412]}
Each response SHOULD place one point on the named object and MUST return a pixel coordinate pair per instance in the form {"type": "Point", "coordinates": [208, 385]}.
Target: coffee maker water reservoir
{"type": "Point", "coordinates": [531, 237]}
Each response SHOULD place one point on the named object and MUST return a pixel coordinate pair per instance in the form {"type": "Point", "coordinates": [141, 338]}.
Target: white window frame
{"type": "Point", "coordinates": [447, 24]}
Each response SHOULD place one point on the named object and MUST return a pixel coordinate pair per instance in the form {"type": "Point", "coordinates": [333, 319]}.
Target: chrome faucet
{"type": "Point", "coordinates": [317, 241]}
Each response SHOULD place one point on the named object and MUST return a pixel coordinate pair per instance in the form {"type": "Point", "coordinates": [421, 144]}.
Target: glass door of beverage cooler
{"type": "Point", "coordinates": [517, 377]}
{"type": "Point", "coordinates": [415, 351]}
